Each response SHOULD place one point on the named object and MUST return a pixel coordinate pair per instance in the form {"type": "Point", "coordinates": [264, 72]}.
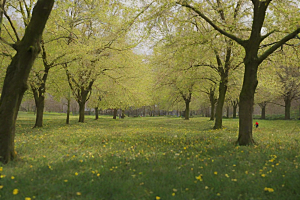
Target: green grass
{"type": "Point", "coordinates": [151, 158]}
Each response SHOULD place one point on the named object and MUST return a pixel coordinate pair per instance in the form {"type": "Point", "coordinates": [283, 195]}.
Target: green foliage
{"type": "Point", "coordinates": [147, 158]}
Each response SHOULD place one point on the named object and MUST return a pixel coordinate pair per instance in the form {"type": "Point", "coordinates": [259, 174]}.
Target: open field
{"type": "Point", "coordinates": [151, 158]}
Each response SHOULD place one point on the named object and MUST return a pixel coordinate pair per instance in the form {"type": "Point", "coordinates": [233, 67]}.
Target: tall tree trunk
{"type": "Point", "coordinates": [187, 110]}
{"type": "Point", "coordinates": [115, 113]}
{"type": "Point", "coordinates": [220, 103]}
{"type": "Point", "coordinates": [246, 103]}
{"type": "Point", "coordinates": [68, 111]}
{"type": "Point", "coordinates": [96, 113]}
{"type": "Point", "coordinates": [287, 108]}
{"type": "Point", "coordinates": [15, 83]}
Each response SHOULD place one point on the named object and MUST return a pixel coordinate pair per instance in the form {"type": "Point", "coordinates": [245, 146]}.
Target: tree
{"type": "Point", "coordinates": [15, 83]}
{"type": "Point", "coordinates": [253, 58]}
{"type": "Point", "coordinates": [126, 84]}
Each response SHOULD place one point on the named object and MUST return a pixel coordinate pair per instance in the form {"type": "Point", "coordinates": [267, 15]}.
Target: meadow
{"type": "Point", "coordinates": [151, 158]}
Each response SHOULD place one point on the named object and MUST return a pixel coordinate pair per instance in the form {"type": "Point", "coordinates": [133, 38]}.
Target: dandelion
{"type": "Point", "coordinates": [78, 193]}
{"type": "Point", "coordinates": [227, 175]}
{"type": "Point", "coordinates": [263, 175]}
{"type": "Point", "coordinates": [76, 174]}
{"type": "Point", "coordinates": [215, 173]}
{"type": "Point", "coordinates": [27, 198]}
{"type": "Point", "coordinates": [268, 189]}
{"type": "Point", "coordinates": [199, 178]}
{"type": "Point", "coordinates": [218, 194]}
{"type": "Point", "coordinates": [1, 186]}
{"type": "Point", "coordinates": [65, 180]}
{"type": "Point", "coordinates": [157, 198]}
{"type": "Point", "coordinates": [206, 187]}
{"type": "Point", "coordinates": [12, 177]}
{"type": "Point", "coordinates": [15, 191]}
{"type": "Point", "coordinates": [173, 194]}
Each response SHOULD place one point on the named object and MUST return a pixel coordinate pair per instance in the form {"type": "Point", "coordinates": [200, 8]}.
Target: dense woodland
{"type": "Point", "coordinates": [148, 58]}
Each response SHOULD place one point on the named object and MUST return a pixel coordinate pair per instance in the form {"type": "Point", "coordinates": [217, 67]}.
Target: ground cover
{"type": "Point", "coordinates": [151, 158]}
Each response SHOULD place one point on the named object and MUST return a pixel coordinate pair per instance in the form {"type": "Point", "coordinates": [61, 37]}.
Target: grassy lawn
{"type": "Point", "coordinates": [151, 158]}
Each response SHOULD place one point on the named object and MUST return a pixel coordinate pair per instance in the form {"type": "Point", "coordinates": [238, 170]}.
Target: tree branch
{"type": "Point", "coordinates": [277, 45]}
{"type": "Point", "coordinates": [223, 32]}
{"type": "Point", "coordinates": [12, 26]}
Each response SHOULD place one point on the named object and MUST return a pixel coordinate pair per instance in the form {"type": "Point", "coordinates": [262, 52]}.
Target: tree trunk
{"type": "Point", "coordinates": [115, 113]}
{"type": "Point", "coordinates": [187, 110]}
{"type": "Point", "coordinates": [212, 111]}
{"type": "Point", "coordinates": [123, 114]}
{"type": "Point", "coordinates": [263, 112]}
{"type": "Point", "coordinates": [15, 83]}
{"type": "Point", "coordinates": [263, 105]}
{"type": "Point", "coordinates": [234, 111]}
{"type": "Point", "coordinates": [227, 112]}
{"type": "Point", "coordinates": [96, 113]}
{"type": "Point", "coordinates": [81, 111]}
{"type": "Point", "coordinates": [68, 111]}
{"type": "Point", "coordinates": [246, 103]}
{"type": "Point", "coordinates": [40, 104]}
{"type": "Point", "coordinates": [220, 103]}
{"type": "Point", "coordinates": [287, 108]}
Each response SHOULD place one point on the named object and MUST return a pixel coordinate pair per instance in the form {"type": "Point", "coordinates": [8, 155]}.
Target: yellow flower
{"type": "Point", "coordinates": [98, 174]}
{"type": "Point", "coordinates": [78, 193]}
{"type": "Point", "coordinates": [173, 194]}
{"type": "Point", "coordinates": [263, 175]}
{"type": "Point", "coordinates": [12, 177]}
{"type": "Point", "coordinates": [215, 173]}
{"type": "Point", "coordinates": [227, 175]}
{"type": "Point", "coordinates": [65, 180]}
{"type": "Point", "coordinates": [206, 187]}
{"type": "Point", "coordinates": [199, 178]}
{"type": "Point", "coordinates": [175, 190]}
{"type": "Point", "coordinates": [1, 168]}
{"type": "Point", "coordinates": [27, 198]}
{"type": "Point", "coordinates": [157, 197]}
{"type": "Point", "coordinates": [269, 189]}
{"type": "Point", "coordinates": [218, 194]}
{"type": "Point", "coordinates": [1, 186]}
{"type": "Point", "coordinates": [15, 191]}
{"type": "Point", "coordinates": [76, 173]}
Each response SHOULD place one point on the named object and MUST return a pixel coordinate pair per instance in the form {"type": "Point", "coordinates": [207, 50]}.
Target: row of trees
{"type": "Point", "coordinates": [200, 48]}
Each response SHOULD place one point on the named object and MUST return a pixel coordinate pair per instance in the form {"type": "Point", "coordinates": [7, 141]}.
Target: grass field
{"type": "Point", "coordinates": [151, 158]}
